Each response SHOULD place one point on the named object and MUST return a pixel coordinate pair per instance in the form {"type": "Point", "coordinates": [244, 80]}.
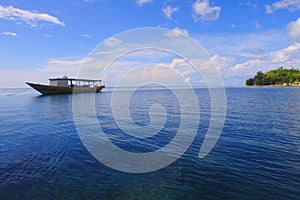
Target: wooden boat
{"type": "Point", "coordinates": [67, 85]}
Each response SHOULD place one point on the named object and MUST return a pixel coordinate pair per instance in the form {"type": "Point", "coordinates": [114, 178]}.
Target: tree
{"type": "Point", "coordinates": [278, 76]}
{"type": "Point", "coordinates": [250, 82]}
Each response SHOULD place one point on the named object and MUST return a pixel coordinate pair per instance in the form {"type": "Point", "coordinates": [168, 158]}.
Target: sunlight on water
{"type": "Point", "coordinates": [257, 155]}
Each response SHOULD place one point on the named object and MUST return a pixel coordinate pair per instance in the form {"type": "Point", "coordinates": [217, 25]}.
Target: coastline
{"type": "Point", "coordinates": [272, 85]}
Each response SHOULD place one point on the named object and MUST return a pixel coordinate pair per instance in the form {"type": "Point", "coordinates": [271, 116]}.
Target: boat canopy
{"type": "Point", "coordinates": [74, 79]}
{"type": "Point", "coordinates": [74, 82]}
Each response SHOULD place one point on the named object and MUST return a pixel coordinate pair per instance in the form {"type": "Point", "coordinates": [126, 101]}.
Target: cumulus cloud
{"type": "Point", "coordinates": [293, 30]}
{"type": "Point", "coordinates": [178, 62]}
{"type": "Point", "coordinates": [221, 62]}
{"type": "Point", "coordinates": [29, 17]}
{"type": "Point", "coordinates": [268, 9]}
{"type": "Point", "coordinates": [291, 5]}
{"type": "Point", "coordinates": [10, 34]}
{"type": "Point", "coordinates": [168, 11]}
{"type": "Point", "coordinates": [235, 70]}
{"type": "Point", "coordinates": [142, 2]}
{"type": "Point", "coordinates": [285, 55]}
{"type": "Point", "coordinates": [288, 57]}
{"type": "Point", "coordinates": [203, 11]}
{"type": "Point", "coordinates": [247, 64]}
{"type": "Point", "coordinates": [112, 42]}
{"type": "Point", "coordinates": [176, 32]}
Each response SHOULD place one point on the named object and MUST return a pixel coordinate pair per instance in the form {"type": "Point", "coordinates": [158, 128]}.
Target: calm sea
{"type": "Point", "coordinates": [256, 157]}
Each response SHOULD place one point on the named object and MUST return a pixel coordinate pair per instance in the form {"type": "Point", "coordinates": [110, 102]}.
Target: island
{"type": "Point", "coordinates": [277, 77]}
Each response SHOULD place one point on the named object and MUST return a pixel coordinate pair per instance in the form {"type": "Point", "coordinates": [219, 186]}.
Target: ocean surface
{"type": "Point", "coordinates": [256, 157]}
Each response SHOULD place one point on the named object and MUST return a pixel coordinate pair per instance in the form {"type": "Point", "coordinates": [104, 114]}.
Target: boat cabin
{"type": "Point", "coordinates": [59, 82]}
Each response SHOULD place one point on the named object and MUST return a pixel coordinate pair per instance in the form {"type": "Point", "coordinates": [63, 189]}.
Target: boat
{"type": "Point", "coordinates": [67, 85]}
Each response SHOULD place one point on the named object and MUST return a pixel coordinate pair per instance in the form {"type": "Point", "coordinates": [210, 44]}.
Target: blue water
{"type": "Point", "coordinates": [256, 157]}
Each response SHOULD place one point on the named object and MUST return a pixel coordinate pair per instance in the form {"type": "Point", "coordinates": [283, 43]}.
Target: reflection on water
{"type": "Point", "coordinates": [257, 156]}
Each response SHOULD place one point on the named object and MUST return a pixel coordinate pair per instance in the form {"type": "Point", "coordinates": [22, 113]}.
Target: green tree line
{"type": "Point", "coordinates": [275, 77]}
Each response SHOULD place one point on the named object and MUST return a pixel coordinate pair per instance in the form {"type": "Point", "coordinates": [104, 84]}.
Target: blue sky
{"type": "Point", "coordinates": [42, 39]}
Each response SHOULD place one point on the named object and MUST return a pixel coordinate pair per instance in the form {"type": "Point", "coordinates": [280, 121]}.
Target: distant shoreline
{"type": "Point", "coordinates": [279, 77]}
{"type": "Point", "coordinates": [272, 85]}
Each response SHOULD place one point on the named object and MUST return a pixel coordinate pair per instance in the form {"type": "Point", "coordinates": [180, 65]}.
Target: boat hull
{"type": "Point", "coordinates": [52, 90]}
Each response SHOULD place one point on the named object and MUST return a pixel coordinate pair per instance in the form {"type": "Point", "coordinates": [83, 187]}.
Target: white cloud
{"type": "Point", "coordinates": [243, 46]}
{"type": "Point", "coordinates": [86, 35]}
{"type": "Point", "coordinates": [222, 63]}
{"type": "Point", "coordinates": [257, 24]}
{"type": "Point", "coordinates": [168, 11]}
{"type": "Point", "coordinates": [291, 5]}
{"type": "Point", "coordinates": [293, 29]}
{"type": "Point", "coordinates": [90, 1]}
{"type": "Point", "coordinates": [62, 65]}
{"type": "Point", "coordinates": [203, 11]}
{"type": "Point", "coordinates": [185, 69]}
{"type": "Point", "coordinates": [48, 35]}
{"type": "Point", "coordinates": [29, 17]}
{"type": "Point", "coordinates": [142, 2]}
{"type": "Point", "coordinates": [19, 78]}
{"type": "Point", "coordinates": [9, 33]}
{"type": "Point", "coordinates": [160, 73]}
{"type": "Point", "coordinates": [268, 9]}
{"type": "Point", "coordinates": [94, 1]}
{"type": "Point", "coordinates": [245, 60]}
{"type": "Point", "coordinates": [54, 68]}
{"type": "Point", "coordinates": [249, 4]}
{"type": "Point", "coordinates": [247, 64]}
{"type": "Point", "coordinates": [71, 67]}
{"type": "Point", "coordinates": [287, 57]}
{"type": "Point", "coordinates": [187, 80]}
{"type": "Point", "coordinates": [177, 62]}
{"type": "Point", "coordinates": [112, 42]}
{"type": "Point", "coordinates": [89, 67]}
{"type": "Point", "coordinates": [176, 32]}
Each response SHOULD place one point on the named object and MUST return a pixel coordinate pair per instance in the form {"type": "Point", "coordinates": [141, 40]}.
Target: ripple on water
{"type": "Point", "coordinates": [257, 155]}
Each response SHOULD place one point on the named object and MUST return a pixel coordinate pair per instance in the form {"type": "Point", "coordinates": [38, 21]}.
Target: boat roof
{"type": "Point", "coordinates": [74, 79]}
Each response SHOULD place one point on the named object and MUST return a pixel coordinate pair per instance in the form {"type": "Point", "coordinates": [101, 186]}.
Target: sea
{"type": "Point", "coordinates": [257, 154]}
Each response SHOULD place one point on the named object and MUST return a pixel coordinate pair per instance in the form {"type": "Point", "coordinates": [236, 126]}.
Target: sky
{"type": "Point", "coordinates": [51, 38]}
